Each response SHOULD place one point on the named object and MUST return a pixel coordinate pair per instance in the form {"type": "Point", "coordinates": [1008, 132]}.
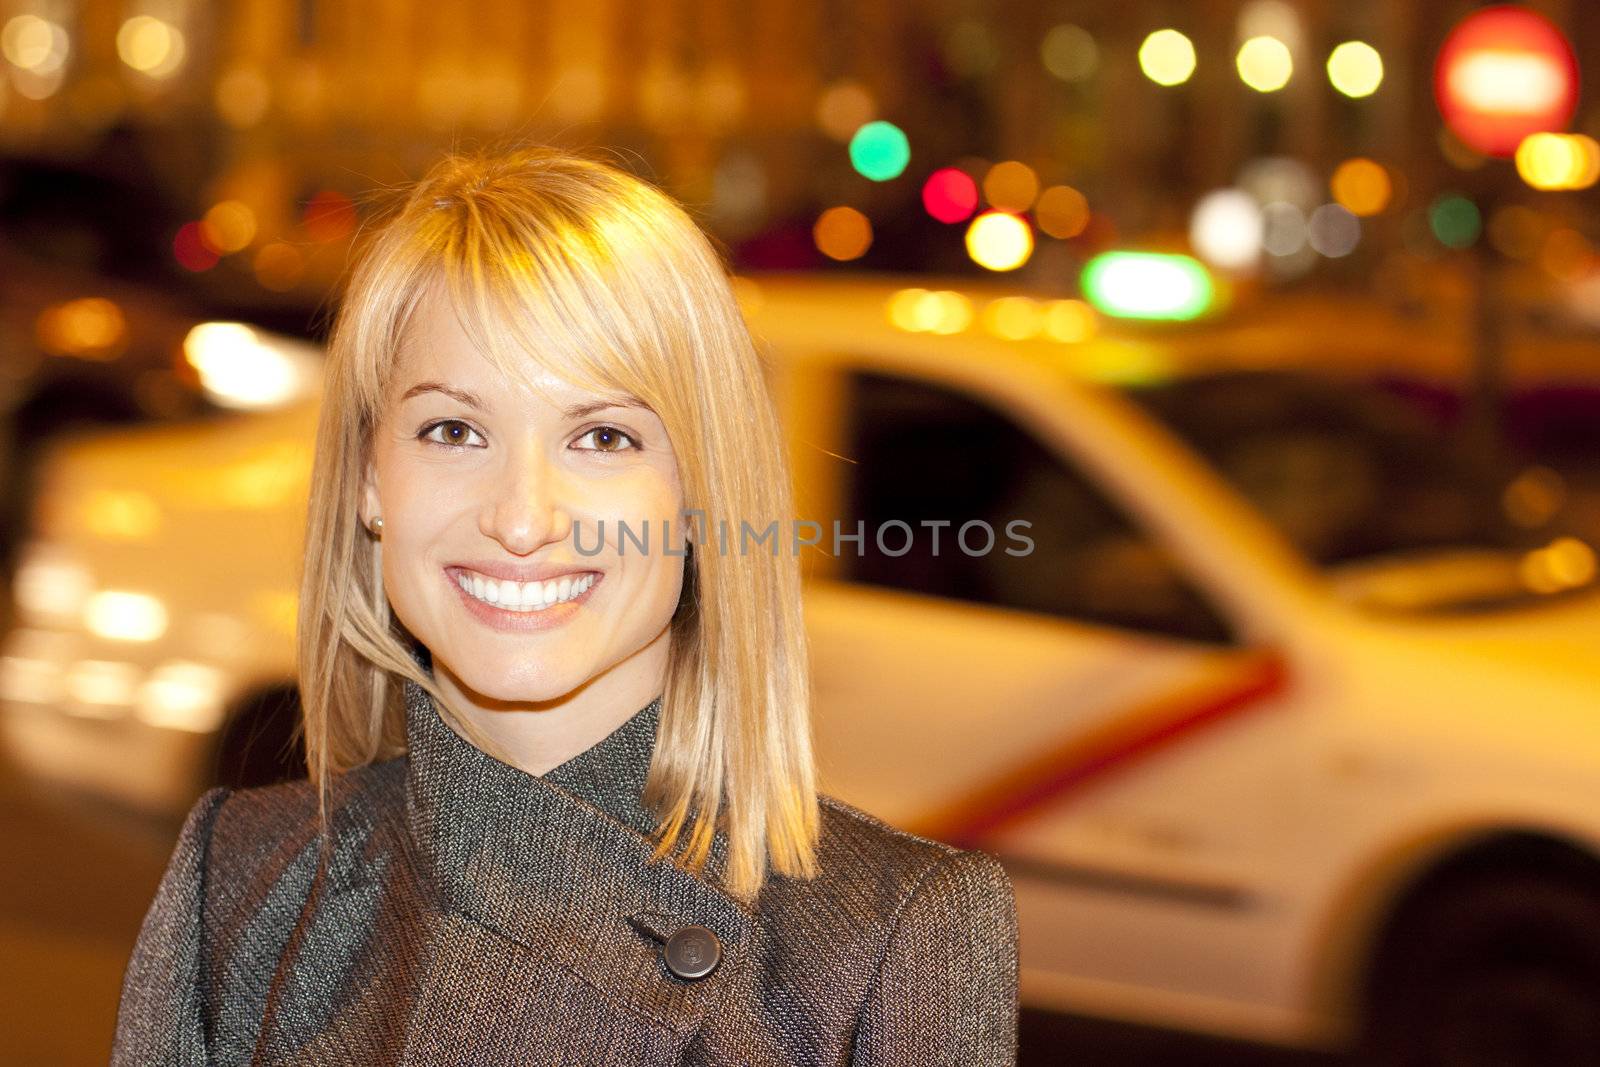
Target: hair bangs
{"type": "Point", "coordinates": [545, 294]}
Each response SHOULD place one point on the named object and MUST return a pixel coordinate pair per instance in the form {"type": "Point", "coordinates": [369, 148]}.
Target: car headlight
{"type": "Point", "coordinates": [242, 367]}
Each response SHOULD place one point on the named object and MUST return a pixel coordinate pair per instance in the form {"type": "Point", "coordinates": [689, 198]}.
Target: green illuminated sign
{"type": "Point", "coordinates": [1147, 285]}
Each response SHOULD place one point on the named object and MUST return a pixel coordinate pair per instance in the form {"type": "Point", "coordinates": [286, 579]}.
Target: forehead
{"type": "Point", "coordinates": [436, 346]}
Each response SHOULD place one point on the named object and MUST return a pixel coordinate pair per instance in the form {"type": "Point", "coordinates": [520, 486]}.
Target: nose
{"type": "Point", "coordinates": [527, 506]}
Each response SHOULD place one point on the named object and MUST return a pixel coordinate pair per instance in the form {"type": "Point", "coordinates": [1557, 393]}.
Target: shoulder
{"type": "Point", "coordinates": [262, 842]}
{"type": "Point", "coordinates": [874, 879]}
{"type": "Point", "coordinates": [933, 974]}
{"type": "Point", "coordinates": [856, 840]}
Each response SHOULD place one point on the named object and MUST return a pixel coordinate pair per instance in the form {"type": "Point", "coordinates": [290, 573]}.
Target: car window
{"type": "Point", "coordinates": [1358, 472]}
{"type": "Point", "coordinates": [922, 454]}
{"type": "Point", "coordinates": [1351, 468]}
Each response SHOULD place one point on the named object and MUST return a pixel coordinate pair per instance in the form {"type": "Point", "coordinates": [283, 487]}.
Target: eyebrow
{"type": "Point", "coordinates": [473, 400]}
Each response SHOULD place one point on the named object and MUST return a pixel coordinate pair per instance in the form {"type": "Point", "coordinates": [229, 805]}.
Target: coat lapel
{"type": "Point", "coordinates": [556, 869]}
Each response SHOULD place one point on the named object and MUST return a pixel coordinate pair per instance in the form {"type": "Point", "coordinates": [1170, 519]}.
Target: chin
{"type": "Point", "coordinates": [517, 683]}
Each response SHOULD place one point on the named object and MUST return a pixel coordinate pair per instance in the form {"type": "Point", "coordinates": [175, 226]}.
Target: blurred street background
{"type": "Point", "coordinates": [1279, 319]}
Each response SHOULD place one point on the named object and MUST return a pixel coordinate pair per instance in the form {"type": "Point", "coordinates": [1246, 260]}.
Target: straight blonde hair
{"type": "Point", "coordinates": [562, 261]}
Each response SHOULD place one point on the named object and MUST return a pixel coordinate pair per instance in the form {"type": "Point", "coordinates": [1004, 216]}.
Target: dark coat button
{"type": "Point", "coordinates": [692, 952]}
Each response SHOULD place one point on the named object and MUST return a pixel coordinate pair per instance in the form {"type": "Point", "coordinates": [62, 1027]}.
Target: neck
{"type": "Point", "coordinates": [540, 735]}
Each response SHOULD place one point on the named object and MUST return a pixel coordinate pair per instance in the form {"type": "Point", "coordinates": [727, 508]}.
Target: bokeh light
{"type": "Point", "coordinates": [930, 311]}
{"type": "Point", "coordinates": [879, 150]}
{"type": "Point", "coordinates": [1265, 64]}
{"type": "Point", "coordinates": [1070, 321]}
{"type": "Point", "coordinates": [1167, 57]}
{"type": "Point", "coordinates": [1226, 229]}
{"type": "Point", "coordinates": [237, 368]}
{"type": "Point", "coordinates": [1062, 212]}
{"type": "Point", "coordinates": [1565, 254]}
{"type": "Point", "coordinates": [1272, 178]}
{"type": "Point", "coordinates": [1565, 563]}
{"type": "Point", "coordinates": [150, 45]}
{"type": "Point", "coordinates": [243, 96]}
{"type": "Point", "coordinates": [998, 240]}
{"type": "Point", "coordinates": [1558, 161]}
{"type": "Point", "coordinates": [1283, 228]}
{"type": "Point", "coordinates": [34, 44]}
{"type": "Point", "coordinates": [1534, 497]}
{"type": "Point", "coordinates": [1333, 231]}
{"type": "Point", "coordinates": [1011, 186]}
{"type": "Point", "coordinates": [950, 195]}
{"type": "Point", "coordinates": [228, 227]}
{"type": "Point", "coordinates": [1069, 53]}
{"type": "Point", "coordinates": [190, 250]}
{"type": "Point", "coordinates": [124, 616]}
{"type": "Point", "coordinates": [278, 266]}
{"type": "Point", "coordinates": [1355, 69]}
{"type": "Point", "coordinates": [844, 107]}
{"type": "Point", "coordinates": [1147, 285]}
{"type": "Point", "coordinates": [1361, 186]}
{"type": "Point", "coordinates": [1014, 318]}
{"type": "Point", "coordinates": [1516, 231]}
{"type": "Point", "coordinates": [1454, 220]}
{"type": "Point", "coordinates": [89, 327]}
{"type": "Point", "coordinates": [1502, 73]}
{"type": "Point", "coordinates": [842, 233]}
{"type": "Point", "coordinates": [329, 216]}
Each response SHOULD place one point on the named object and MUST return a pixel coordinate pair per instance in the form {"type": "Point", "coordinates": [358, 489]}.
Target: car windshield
{"type": "Point", "coordinates": [1374, 482]}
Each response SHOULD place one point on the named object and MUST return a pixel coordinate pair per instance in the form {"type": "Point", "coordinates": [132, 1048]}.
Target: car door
{"type": "Point", "coordinates": [1058, 693]}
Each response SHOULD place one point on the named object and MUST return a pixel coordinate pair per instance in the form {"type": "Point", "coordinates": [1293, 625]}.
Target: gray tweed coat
{"type": "Point", "coordinates": [468, 912]}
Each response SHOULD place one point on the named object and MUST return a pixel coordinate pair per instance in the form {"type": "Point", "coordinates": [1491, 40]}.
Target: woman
{"type": "Point", "coordinates": [561, 805]}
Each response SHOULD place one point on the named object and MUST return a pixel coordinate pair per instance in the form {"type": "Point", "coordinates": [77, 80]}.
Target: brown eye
{"type": "Point", "coordinates": [452, 433]}
{"type": "Point", "coordinates": [607, 439]}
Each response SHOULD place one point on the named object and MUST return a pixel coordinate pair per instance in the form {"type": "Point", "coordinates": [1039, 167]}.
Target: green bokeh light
{"type": "Point", "coordinates": [880, 151]}
{"type": "Point", "coordinates": [1147, 285]}
{"type": "Point", "coordinates": [1455, 221]}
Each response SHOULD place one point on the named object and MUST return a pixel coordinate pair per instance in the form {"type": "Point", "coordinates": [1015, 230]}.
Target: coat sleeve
{"type": "Point", "coordinates": [946, 989]}
{"type": "Point", "coordinates": [160, 1020]}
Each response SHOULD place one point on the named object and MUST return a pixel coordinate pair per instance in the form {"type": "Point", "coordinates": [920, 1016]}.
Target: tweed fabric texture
{"type": "Point", "coordinates": [464, 911]}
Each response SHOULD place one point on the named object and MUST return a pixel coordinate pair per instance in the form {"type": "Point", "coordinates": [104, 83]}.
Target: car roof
{"type": "Point", "coordinates": [1321, 333]}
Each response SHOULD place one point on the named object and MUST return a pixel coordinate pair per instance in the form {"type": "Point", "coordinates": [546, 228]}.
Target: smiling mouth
{"type": "Point", "coordinates": [524, 597]}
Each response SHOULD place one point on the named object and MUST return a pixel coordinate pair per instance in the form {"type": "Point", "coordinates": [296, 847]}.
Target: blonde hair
{"type": "Point", "coordinates": [564, 261]}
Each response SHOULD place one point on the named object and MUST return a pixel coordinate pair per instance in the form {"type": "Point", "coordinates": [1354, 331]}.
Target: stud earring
{"type": "Point", "coordinates": [377, 526]}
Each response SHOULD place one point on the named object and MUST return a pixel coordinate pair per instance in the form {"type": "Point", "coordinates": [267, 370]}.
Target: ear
{"type": "Point", "coordinates": [370, 506]}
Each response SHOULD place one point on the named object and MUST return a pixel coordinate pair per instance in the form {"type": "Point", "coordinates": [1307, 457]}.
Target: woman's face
{"type": "Point", "coordinates": [484, 482]}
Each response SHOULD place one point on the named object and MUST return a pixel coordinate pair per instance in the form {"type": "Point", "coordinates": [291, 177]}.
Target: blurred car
{"type": "Point", "coordinates": [1286, 727]}
{"type": "Point", "coordinates": [94, 316]}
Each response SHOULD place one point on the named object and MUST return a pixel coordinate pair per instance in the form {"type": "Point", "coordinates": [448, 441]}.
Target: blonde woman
{"type": "Point", "coordinates": [561, 804]}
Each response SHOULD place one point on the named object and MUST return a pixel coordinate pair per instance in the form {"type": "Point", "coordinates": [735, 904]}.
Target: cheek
{"type": "Point", "coordinates": [635, 496]}
{"type": "Point", "coordinates": [647, 502]}
{"type": "Point", "coordinates": [419, 501]}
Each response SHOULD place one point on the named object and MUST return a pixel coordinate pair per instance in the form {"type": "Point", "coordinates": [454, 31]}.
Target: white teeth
{"type": "Point", "coordinates": [528, 596]}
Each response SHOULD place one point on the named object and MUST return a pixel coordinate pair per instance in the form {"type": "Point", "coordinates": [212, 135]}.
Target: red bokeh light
{"type": "Point", "coordinates": [190, 250]}
{"type": "Point", "coordinates": [330, 216]}
{"type": "Point", "coordinates": [950, 195]}
{"type": "Point", "coordinates": [1503, 73]}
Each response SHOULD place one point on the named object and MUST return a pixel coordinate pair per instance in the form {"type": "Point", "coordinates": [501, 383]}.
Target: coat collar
{"type": "Point", "coordinates": [444, 770]}
{"type": "Point", "coordinates": [561, 862]}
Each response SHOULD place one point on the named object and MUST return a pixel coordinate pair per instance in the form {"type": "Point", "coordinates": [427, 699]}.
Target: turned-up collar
{"type": "Point", "coordinates": [561, 863]}
{"type": "Point", "coordinates": [459, 797]}
{"type": "Point", "coordinates": [479, 821]}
